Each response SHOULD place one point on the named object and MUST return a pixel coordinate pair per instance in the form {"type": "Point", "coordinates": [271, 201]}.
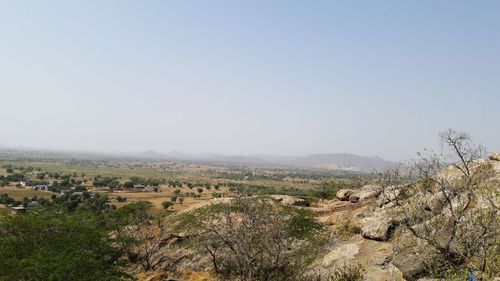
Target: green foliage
{"type": "Point", "coordinates": [50, 245]}
{"type": "Point", "coordinates": [301, 223]}
{"type": "Point", "coordinates": [132, 209]}
{"type": "Point", "coordinates": [254, 238]}
{"type": "Point", "coordinates": [6, 200]}
{"type": "Point", "coordinates": [100, 181]}
{"type": "Point", "coordinates": [166, 204]}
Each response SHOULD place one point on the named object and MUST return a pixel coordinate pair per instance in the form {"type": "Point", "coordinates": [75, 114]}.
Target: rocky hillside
{"type": "Point", "coordinates": [372, 227]}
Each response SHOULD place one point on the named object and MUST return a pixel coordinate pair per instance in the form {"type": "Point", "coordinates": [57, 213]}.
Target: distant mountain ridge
{"type": "Point", "coordinates": [331, 161]}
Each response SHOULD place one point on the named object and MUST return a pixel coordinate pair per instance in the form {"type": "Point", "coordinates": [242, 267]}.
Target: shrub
{"type": "Point", "coordinates": [254, 238]}
{"type": "Point", "coordinates": [166, 204]}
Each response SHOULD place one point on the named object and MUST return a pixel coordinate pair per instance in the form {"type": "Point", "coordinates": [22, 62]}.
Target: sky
{"type": "Point", "coordinates": [248, 77]}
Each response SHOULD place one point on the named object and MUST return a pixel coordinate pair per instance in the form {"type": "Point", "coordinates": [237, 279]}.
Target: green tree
{"type": "Point", "coordinates": [51, 245]}
{"type": "Point", "coordinates": [166, 204]}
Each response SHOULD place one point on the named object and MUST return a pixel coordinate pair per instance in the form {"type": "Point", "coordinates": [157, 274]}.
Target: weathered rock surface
{"type": "Point", "coordinates": [344, 194]}
{"type": "Point", "coordinates": [290, 200]}
{"type": "Point", "coordinates": [375, 257]}
{"type": "Point", "coordinates": [377, 227]}
{"type": "Point", "coordinates": [495, 156]}
{"type": "Point", "coordinates": [369, 191]}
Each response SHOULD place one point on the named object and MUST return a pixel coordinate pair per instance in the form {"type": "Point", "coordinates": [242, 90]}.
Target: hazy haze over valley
{"type": "Point", "coordinates": [211, 78]}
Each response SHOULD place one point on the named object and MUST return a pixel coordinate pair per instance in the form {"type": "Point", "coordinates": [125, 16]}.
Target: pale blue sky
{"type": "Point", "coordinates": [242, 77]}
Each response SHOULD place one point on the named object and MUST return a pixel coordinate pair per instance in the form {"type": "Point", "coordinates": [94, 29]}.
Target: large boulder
{"type": "Point", "coordinates": [495, 156]}
{"type": "Point", "coordinates": [344, 194]}
{"type": "Point", "coordinates": [412, 256]}
{"type": "Point", "coordinates": [364, 193]}
{"type": "Point", "coordinates": [378, 227]}
{"type": "Point", "coordinates": [369, 191]}
{"type": "Point", "coordinates": [433, 201]}
{"type": "Point", "coordinates": [390, 194]}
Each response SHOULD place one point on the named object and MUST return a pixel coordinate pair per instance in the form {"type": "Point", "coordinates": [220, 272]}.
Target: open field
{"type": "Point", "coordinates": [156, 198]}
{"type": "Point", "coordinates": [195, 182]}
{"type": "Point", "coordinates": [20, 193]}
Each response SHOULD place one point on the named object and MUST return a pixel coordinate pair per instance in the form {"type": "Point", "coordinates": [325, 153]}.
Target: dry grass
{"type": "Point", "coordinates": [165, 194]}
{"type": "Point", "coordinates": [20, 193]}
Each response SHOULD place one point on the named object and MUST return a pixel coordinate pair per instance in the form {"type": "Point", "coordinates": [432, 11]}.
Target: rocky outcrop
{"type": "Point", "coordinates": [290, 200]}
{"type": "Point", "coordinates": [412, 256]}
{"type": "Point", "coordinates": [377, 227]}
{"type": "Point", "coordinates": [495, 156]}
{"type": "Point", "coordinates": [389, 195]}
{"type": "Point", "coordinates": [344, 194]}
{"type": "Point", "coordinates": [365, 193]}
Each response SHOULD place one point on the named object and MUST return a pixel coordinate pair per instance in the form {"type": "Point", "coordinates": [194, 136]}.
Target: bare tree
{"type": "Point", "coordinates": [254, 239]}
{"type": "Point", "coordinates": [451, 205]}
{"type": "Point", "coordinates": [138, 234]}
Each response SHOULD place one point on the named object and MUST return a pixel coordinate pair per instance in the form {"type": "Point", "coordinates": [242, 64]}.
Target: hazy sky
{"type": "Point", "coordinates": [242, 77]}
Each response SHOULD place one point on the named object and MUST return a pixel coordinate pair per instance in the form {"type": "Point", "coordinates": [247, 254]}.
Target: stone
{"type": "Point", "coordinates": [411, 256]}
{"type": "Point", "coordinates": [368, 191]}
{"type": "Point", "coordinates": [378, 227]}
{"type": "Point", "coordinates": [290, 200]}
{"type": "Point", "coordinates": [389, 195]}
{"type": "Point", "coordinates": [344, 194]}
{"type": "Point", "coordinates": [354, 198]}
{"type": "Point", "coordinates": [495, 156]}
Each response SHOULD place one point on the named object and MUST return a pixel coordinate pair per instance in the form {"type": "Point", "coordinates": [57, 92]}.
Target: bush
{"type": "Point", "coordinates": [51, 245]}
{"type": "Point", "coordinates": [254, 239]}
{"type": "Point", "coordinates": [166, 204]}
{"type": "Point", "coordinates": [347, 273]}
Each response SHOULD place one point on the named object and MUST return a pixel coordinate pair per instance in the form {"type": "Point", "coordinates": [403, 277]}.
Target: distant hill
{"type": "Point", "coordinates": [344, 161]}
{"type": "Point", "coordinates": [334, 161]}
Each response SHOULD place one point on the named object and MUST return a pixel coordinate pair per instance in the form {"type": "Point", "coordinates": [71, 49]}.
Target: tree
{"type": "Point", "coordinates": [254, 239]}
{"type": "Point", "coordinates": [199, 189]}
{"type": "Point", "coordinates": [138, 232]}
{"type": "Point", "coordinates": [174, 198]}
{"type": "Point", "coordinates": [177, 191]}
{"type": "Point", "coordinates": [181, 200]}
{"type": "Point", "coordinates": [10, 170]}
{"type": "Point", "coordinates": [449, 205]}
{"type": "Point", "coordinates": [50, 245]}
{"type": "Point", "coordinates": [128, 184]}
{"type": "Point", "coordinates": [166, 204]}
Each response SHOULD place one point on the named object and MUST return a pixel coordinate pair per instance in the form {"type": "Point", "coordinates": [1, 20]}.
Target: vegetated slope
{"type": "Point", "coordinates": [369, 227]}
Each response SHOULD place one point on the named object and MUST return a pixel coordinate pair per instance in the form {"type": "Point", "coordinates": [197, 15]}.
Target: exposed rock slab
{"type": "Point", "coordinates": [344, 194]}
{"type": "Point", "coordinates": [377, 227]}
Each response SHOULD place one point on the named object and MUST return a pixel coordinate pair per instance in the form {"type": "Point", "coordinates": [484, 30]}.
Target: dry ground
{"type": "Point", "coordinates": [20, 193]}
{"type": "Point", "coordinates": [165, 194]}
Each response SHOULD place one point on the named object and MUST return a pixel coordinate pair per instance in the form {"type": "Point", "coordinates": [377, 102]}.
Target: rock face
{"type": "Point", "coordinates": [368, 191]}
{"type": "Point", "coordinates": [344, 194]}
{"type": "Point", "coordinates": [495, 156]}
{"type": "Point", "coordinates": [378, 227]}
{"type": "Point", "coordinates": [355, 196]}
{"type": "Point", "coordinates": [389, 195]}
